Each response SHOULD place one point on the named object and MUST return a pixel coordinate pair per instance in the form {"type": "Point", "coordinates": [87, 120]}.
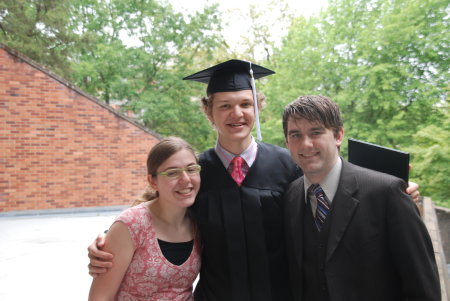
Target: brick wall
{"type": "Point", "coordinates": [61, 148]}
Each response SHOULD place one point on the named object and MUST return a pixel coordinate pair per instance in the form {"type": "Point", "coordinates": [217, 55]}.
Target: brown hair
{"type": "Point", "coordinates": [207, 102]}
{"type": "Point", "coordinates": [156, 157]}
{"type": "Point", "coordinates": [314, 108]}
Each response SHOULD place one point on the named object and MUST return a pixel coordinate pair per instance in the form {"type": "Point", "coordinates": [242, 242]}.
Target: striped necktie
{"type": "Point", "coordinates": [323, 205]}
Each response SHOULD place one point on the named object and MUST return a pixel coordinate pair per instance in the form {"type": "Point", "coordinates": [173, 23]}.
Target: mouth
{"type": "Point", "coordinates": [186, 191]}
{"type": "Point", "coordinates": [236, 125]}
{"type": "Point", "coordinates": [308, 155]}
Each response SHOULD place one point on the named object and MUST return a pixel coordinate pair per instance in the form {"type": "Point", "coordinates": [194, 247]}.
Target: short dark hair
{"type": "Point", "coordinates": [314, 108]}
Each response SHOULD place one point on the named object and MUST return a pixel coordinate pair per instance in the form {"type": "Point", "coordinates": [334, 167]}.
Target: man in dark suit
{"type": "Point", "coordinates": [352, 233]}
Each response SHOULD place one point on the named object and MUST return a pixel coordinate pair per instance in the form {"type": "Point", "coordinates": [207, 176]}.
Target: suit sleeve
{"type": "Point", "coordinates": [411, 246]}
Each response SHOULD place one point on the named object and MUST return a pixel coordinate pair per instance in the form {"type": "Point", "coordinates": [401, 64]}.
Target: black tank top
{"type": "Point", "coordinates": [176, 252]}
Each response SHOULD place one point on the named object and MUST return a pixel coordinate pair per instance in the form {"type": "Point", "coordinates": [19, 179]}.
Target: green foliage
{"type": "Point", "coordinates": [431, 160]}
{"type": "Point", "coordinates": [136, 52]}
{"type": "Point", "coordinates": [39, 29]}
{"type": "Point", "coordinates": [385, 62]}
{"type": "Point", "coordinates": [122, 51]}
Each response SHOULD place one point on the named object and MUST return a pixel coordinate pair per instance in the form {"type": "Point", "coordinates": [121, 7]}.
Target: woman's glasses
{"type": "Point", "coordinates": [175, 173]}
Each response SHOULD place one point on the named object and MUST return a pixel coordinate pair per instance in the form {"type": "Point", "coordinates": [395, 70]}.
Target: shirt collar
{"type": "Point", "coordinates": [330, 183]}
{"type": "Point", "coordinates": [249, 154]}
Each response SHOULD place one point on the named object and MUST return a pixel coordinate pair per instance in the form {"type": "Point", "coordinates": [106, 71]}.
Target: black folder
{"type": "Point", "coordinates": [379, 158]}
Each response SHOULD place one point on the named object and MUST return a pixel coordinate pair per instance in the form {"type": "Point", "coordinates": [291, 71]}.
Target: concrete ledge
{"type": "Point", "coordinates": [431, 221]}
{"type": "Point", "coordinates": [80, 210]}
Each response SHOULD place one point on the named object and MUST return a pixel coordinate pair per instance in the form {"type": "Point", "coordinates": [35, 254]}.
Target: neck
{"type": "Point", "coordinates": [170, 216]}
{"type": "Point", "coordinates": [236, 146]}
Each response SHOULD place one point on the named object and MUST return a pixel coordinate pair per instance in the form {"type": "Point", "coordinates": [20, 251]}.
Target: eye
{"type": "Point", "coordinates": [173, 173]}
{"type": "Point", "coordinates": [294, 136]}
{"type": "Point", "coordinates": [246, 105]}
{"type": "Point", "coordinates": [193, 169]}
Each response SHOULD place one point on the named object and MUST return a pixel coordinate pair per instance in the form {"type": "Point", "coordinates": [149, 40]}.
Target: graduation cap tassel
{"type": "Point", "coordinates": [255, 101]}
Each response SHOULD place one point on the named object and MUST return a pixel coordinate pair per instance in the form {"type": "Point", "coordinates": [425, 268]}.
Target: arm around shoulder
{"type": "Point", "coordinates": [118, 242]}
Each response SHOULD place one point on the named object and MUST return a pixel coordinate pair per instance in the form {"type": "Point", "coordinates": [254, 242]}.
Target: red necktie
{"type": "Point", "coordinates": [237, 173]}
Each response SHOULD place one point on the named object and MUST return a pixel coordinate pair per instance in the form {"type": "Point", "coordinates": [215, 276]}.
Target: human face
{"type": "Point", "coordinates": [313, 147]}
{"type": "Point", "coordinates": [233, 115]}
{"type": "Point", "coordinates": [180, 192]}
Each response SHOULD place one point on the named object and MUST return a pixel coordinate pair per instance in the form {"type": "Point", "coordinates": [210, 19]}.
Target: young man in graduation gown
{"type": "Point", "coordinates": [239, 209]}
{"type": "Point", "coordinates": [352, 233]}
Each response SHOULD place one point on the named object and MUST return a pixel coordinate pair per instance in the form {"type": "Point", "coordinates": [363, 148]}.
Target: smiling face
{"type": "Point", "coordinates": [313, 147]}
{"type": "Point", "coordinates": [233, 115]}
{"type": "Point", "coordinates": [179, 192]}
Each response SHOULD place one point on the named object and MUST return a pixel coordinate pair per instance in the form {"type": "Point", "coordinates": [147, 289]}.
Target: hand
{"type": "Point", "coordinates": [413, 191]}
{"type": "Point", "coordinates": [100, 261]}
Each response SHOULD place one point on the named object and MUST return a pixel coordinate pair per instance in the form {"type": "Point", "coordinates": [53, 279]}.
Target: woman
{"type": "Point", "coordinates": [155, 243]}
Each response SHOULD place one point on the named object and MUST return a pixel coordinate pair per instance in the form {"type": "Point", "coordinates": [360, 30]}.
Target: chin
{"type": "Point", "coordinates": [188, 202]}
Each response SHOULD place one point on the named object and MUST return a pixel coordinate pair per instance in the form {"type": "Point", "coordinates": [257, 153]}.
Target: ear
{"type": "Point", "coordinates": [339, 136]}
{"type": "Point", "coordinates": [152, 182]}
{"type": "Point", "coordinates": [208, 113]}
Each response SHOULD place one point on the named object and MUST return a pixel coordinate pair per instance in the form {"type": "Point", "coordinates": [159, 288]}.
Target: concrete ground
{"type": "Point", "coordinates": [45, 257]}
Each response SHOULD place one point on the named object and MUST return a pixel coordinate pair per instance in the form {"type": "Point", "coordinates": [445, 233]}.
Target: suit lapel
{"type": "Point", "coordinates": [344, 206]}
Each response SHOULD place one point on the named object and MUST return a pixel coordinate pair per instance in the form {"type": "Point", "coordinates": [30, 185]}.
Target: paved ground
{"type": "Point", "coordinates": [45, 257]}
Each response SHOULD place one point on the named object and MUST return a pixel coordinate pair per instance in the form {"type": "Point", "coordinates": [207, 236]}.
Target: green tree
{"type": "Point", "coordinates": [136, 52]}
{"type": "Point", "coordinates": [133, 52]}
{"type": "Point", "coordinates": [39, 29]}
{"type": "Point", "coordinates": [431, 153]}
{"type": "Point", "coordinates": [385, 62]}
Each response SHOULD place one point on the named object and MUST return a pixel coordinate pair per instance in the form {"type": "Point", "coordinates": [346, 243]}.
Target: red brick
{"type": "Point", "coordinates": [62, 148]}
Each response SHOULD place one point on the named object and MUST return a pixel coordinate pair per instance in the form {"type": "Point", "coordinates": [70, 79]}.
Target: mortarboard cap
{"type": "Point", "coordinates": [232, 75]}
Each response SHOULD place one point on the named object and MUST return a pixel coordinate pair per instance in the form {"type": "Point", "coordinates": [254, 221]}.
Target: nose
{"type": "Point", "coordinates": [237, 111]}
{"type": "Point", "coordinates": [306, 141]}
{"type": "Point", "coordinates": [184, 177]}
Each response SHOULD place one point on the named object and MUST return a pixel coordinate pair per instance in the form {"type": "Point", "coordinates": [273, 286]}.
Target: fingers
{"type": "Point", "coordinates": [416, 196]}
{"type": "Point", "coordinates": [93, 275]}
{"type": "Point", "coordinates": [96, 271]}
{"type": "Point", "coordinates": [97, 267]}
{"type": "Point", "coordinates": [95, 253]}
{"type": "Point", "coordinates": [413, 190]}
{"type": "Point", "coordinates": [100, 240]}
{"type": "Point", "coordinates": [100, 261]}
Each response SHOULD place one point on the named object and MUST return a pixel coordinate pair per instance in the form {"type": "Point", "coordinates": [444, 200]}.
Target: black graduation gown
{"type": "Point", "coordinates": [241, 228]}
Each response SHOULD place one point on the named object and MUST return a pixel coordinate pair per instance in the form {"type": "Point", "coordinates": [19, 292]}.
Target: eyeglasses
{"type": "Point", "coordinates": [175, 173]}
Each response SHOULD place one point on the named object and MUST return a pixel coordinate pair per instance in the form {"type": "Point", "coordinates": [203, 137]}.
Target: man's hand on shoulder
{"type": "Point", "coordinates": [99, 261]}
{"type": "Point", "coordinates": [413, 191]}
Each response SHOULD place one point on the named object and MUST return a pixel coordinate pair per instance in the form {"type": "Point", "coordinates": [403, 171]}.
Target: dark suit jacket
{"type": "Point", "coordinates": [378, 247]}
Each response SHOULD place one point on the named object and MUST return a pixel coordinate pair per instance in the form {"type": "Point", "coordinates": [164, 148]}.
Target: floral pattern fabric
{"type": "Point", "coordinates": [150, 276]}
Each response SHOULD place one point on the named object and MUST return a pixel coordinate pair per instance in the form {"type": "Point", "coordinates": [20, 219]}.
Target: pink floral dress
{"type": "Point", "coordinates": [150, 276]}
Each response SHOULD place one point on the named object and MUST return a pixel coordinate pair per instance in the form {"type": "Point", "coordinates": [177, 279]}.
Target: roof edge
{"type": "Point", "coordinates": [66, 83]}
